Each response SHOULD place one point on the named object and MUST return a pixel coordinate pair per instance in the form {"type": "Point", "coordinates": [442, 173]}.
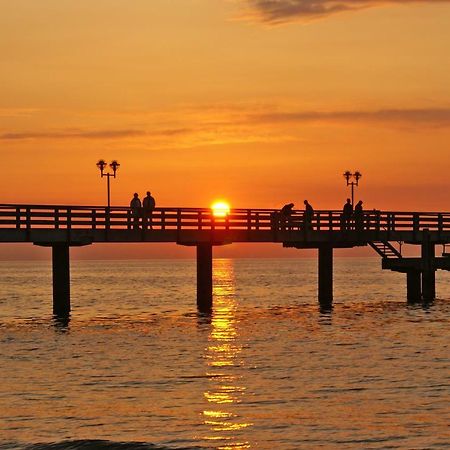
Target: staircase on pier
{"type": "Point", "coordinates": [385, 249]}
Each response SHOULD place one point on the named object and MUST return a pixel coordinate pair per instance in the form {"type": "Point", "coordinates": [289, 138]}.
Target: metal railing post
{"type": "Point", "coordinates": [107, 218]}
{"type": "Point", "coordinates": [128, 219]}
{"type": "Point", "coordinates": [56, 218]}
{"type": "Point", "coordinates": [416, 225]}
{"type": "Point", "coordinates": [440, 224]}
{"type": "Point", "coordinates": [28, 221]}
{"type": "Point", "coordinates": [69, 221]}
{"type": "Point", "coordinates": [163, 219]}
{"type": "Point", "coordinates": [18, 218]}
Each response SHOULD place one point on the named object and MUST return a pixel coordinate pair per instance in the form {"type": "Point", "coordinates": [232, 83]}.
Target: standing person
{"type": "Point", "coordinates": [347, 212]}
{"type": "Point", "coordinates": [148, 205]}
{"type": "Point", "coordinates": [309, 215]}
{"type": "Point", "coordinates": [359, 216]}
{"type": "Point", "coordinates": [135, 206]}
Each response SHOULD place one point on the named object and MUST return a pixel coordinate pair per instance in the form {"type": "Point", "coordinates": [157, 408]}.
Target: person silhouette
{"type": "Point", "coordinates": [359, 216]}
{"type": "Point", "coordinates": [285, 216]}
{"type": "Point", "coordinates": [135, 206]}
{"type": "Point", "coordinates": [148, 205]}
{"type": "Point", "coordinates": [347, 212]}
{"type": "Point", "coordinates": [308, 216]}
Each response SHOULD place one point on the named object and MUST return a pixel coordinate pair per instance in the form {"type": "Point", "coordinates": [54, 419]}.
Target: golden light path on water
{"type": "Point", "coordinates": [222, 357]}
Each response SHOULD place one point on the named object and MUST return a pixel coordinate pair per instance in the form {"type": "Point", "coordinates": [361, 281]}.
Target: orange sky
{"type": "Point", "coordinates": [261, 103]}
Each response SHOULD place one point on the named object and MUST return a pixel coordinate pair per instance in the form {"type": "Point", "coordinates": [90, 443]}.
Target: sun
{"type": "Point", "coordinates": [220, 208]}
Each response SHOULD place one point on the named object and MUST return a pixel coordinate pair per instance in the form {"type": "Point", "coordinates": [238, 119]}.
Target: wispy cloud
{"type": "Point", "coordinates": [91, 134]}
{"type": "Point", "coordinates": [283, 11]}
{"type": "Point", "coordinates": [234, 124]}
{"type": "Point", "coordinates": [420, 117]}
{"type": "Point", "coordinates": [17, 112]}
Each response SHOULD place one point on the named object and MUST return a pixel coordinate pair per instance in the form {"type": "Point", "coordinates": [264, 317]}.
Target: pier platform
{"type": "Point", "coordinates": [63, 226]}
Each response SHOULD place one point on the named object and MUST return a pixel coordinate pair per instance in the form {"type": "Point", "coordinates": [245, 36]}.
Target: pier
{"type": "Point", "coordinates": [61, 227]}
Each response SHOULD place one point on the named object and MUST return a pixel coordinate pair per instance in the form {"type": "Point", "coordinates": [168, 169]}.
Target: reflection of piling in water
{"type": "Point", "coordinates": [61, 323]}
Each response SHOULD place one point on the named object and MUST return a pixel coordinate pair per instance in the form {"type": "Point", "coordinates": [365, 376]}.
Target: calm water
{"type": "Point", "coordinates": [136, 364]}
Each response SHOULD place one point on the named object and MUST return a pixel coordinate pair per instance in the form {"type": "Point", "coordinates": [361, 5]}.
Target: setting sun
{"type": "Point", "coordinates": [220, 208]}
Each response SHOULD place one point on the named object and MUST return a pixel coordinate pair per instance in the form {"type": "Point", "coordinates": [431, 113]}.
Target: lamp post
{"type": "Point", "coordinates": [114, 166]}
{"type": "Point", "coordinates": [352, 176]}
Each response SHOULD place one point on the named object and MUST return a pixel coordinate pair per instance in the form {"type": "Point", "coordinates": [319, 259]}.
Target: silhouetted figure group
{"type": "Point", "coordinates": [284, 219]}
{"type": "Point", "coordinates": [350, 219]}
{"type": "Point", "coordinates": [142, 210]}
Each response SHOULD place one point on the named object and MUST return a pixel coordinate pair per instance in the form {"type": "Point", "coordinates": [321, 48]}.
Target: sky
{"type": "Point", "coordinates": [260, 102]}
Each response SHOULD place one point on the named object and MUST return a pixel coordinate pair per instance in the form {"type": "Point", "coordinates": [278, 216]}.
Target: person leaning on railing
{"type": "Point", "coordinates": [286, 216]}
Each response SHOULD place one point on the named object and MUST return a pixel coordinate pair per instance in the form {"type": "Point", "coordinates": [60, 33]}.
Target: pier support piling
{"type": "Point", "coordinates": [429, 285]}
{"type": "Point", "coordinates": [326, 275]}
{"type": "Point", "coordinates": [61, 280]}
{"type": "Point", "coordinates": [413, 286]}
{"type": "Point", "coordinates": [204, 277]}
{"type": "Point", "coordinates": [428, 268]}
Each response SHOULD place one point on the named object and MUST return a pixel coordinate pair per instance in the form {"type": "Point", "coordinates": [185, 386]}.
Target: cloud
{"type": "Point", "coordinates": [17, 112]}
{"type": "Point", "coordinates": [283, 11]}
{"type": "Point", "coordinates": [91, 134]}
{"type": "Point", "coordinates": [244, 124]}
{"type": "Point", "coordinates": [428, 117]}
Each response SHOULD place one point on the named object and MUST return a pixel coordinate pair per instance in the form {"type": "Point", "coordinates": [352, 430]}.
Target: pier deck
{"type": "Point", "coordinates": [63, 226]}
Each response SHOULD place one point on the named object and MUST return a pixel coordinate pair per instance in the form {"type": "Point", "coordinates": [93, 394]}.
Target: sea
{"type": "Point", "coordinates": [137, 367]}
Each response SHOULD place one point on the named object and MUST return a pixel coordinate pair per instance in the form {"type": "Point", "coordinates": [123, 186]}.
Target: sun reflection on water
{"type": "Point", "coordinates": [222, 358]}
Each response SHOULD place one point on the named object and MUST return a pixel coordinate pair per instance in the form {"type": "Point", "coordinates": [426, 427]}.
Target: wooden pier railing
{"type": "Point", "coordinates": [33, 217]}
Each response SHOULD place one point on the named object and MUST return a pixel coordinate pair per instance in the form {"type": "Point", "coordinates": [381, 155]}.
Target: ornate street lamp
{"type": "Point", "coordinates": [101, 164]}
{"type": "Point", "coordinates": [352, 176]}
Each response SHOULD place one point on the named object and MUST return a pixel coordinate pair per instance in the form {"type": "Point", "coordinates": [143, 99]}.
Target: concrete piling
{"type": "Point", "coordinates": [61, 279]}
{"type": "Point", "coordinates": [204, 277]}
{"type": "Point", "coordinates": [428, 269]}
{"type": "Point", "coordinates": [413, 286]}
{"type": "Point", "coordinates": [326, 275]}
